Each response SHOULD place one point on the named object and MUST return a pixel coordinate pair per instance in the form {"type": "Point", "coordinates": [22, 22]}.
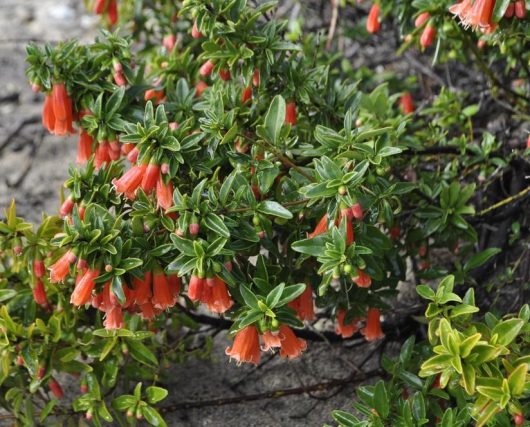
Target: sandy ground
{"type": "Point", "coordinates": [33, 166]}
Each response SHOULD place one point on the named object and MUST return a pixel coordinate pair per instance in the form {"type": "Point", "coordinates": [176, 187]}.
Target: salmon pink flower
{"type": "Point", "coordinates": [174, 284]}
{"type": "Point", "coordinates": [84, 147]}
{"type": "Point", "coordinates": [169, 42]}
{"type": "Point", "coordinates": [372, 331]}
{"type": "Point", "coordinates": [224, 74]}
{"type": "Point", "coordinates": [195, 288]}
{"type": "Point", "coordinates": [39, 293]}
{"type": "Point", "coordinates": [55, 388]}
{"type": "Point", "coordinates": [362, 280]}
{"type": "Point", "coordinates": [220, 300]}
{"type": "Point", "coordinates": [246, 95]}
{"type": "Point", "coordinates": [156, 96]}
{"type": "Point", "coordinates": [82, 293]}
{"type": "Point", "coordinates": [320, 228]}
{"type": "Point", "coordinates": [195, 33]}
{"type": "Point", "coordinates": [102, 156]}
{"type": "Point", "coordinates": [343, 329]}
{"type": "Point", "coordinates": [271, 340]}
{"type": "Point", "coordinates": [476, 14]}
{"type": "Point", "coordinates": [150, 178]}
{"type": "Point", "coordinates": [164, 194]}
{"type": "Point", "coordinates": [162, 295]}
{"type": "Point", "coordinates": [292, 346]}
{"type": "Point", "coordinates": [48, 117]}
{"type": "Point", "coordinates": [114, 318]}
{"type": "Point", "coordinates": [256, 78]}
{"type": "Point", "coordinates": [132, 155]}
{"type": "Point", "coordinates": [119, 79]}
{"type": "Point", "coordinates": [206, 68]}
{"type": "Point", "coordinates": [372, 23]}
{"type": "Point", "coordinates": [357, 211]}
{"type": "Point", "coordinates": [303, 304]}
{"type": "Point", "coordinates": [142, 288]}
{"type": "Point", "coordinates": [520, 9]}
{"type": "Point", "coordinates": [38, 268]}
{"type": "Point", "coordinates": [245, 347]}
{"type": "Point", "coordinates": [422, 19]}
{"type": "Point", "coordinates": [66, 207]}
{"type": "Point", "coordinates": [290, 113]}
{"type": "Point", "coordinates": [200, 87]}
{"type": "Point", "coordinates": [131, 180]}
{"type": "Point", "coordinates": [61, 268]}
{"type": "Point", "coordinates": [406, 103]}
{"type": "Point", "coordinates": [62, 110]}
{"type": "Point", "coordinates": [427, 36]}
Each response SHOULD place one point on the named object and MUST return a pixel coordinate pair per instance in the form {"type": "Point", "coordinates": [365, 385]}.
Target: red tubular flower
{"type": "Point", "coordinates": [62, 109]}
{"type": "Point", "coordinates": [61, 268]}
{"type": "Point", "coordinates": [220, 300]}
{"type": "Point", "coordinates": [142, 288]}
{"type": "Point", "coordinates": [271, 340]}
{"type": "Point", "coordinates": [156, 96]}
{"type": "Point", "coordinates": [100, 7]}
{"type": "Point", "coordinates": [206, 68]}
{"type": "Point", "coordinates": [290, 113]}
{"type": "Point", "coordinates": [362, 280]}
{"type": "Point", "coordinates": [112, 12]}
{"type": "Point", "coordinates": [200, 87]}
{"type": "Point", "coordinates": [303, 304]}
{"type": "Point", "coordinates": [150, 178]}
{"type": "Point", "coordinates": [510, 10]}
{"type": "Point", "coordinates": [162, 296]}
{"type": "Point", "coordinates": [428, 35]}
{"type": "Point", "coordinates": [406, 103]}
{"type": "Point", "coordinates": [477, 13]}
{"type": "Point", "coordinates": [372, 331]}
{"type": "Point", "coordinates": [345, 330]}
{"type": "Point", "coordinates": [195, 33]}
{"type": "Point", "coordinates": [246, 95]}
{"type": "Point", "coordinates": [55, 388]}
{"type": "Point", "coordinates": [132, 156]}
{"type": "Point", "coordinates": [520, 9]}
{"type": "Point", "coordinates": [114, 318]}
{"type": "Point", "coordinates": [102, 155]}
{"type": "Point", "coordinates": [84, 147]}
{"type": "Point", "coordinates": [224, 74]}
{"type": "Point", "coordinates": [395, 231]}
{"type": "Point", "coordinates": [320, 228]}
{"type": "Point", "coordinates": [422, 19]}
{"type": "Point", "coordinates": [256, 78]}
{"type": "Point", "coordinates": [127, 148]}
{"type": "Point", "coordinates": [372, 23]}
{"type": "Point", "coordinates": [82, 293]}
{"type": "Point", "coordinates": [38, 268]}
{"type": "Point", "coordinates": [174, 285]}
{"type": "Point", "coordinates": [66, 207]}
{"type": "Point", "coordinates": [147, 311]}
{"type": "Point", "coordinates": [292, 346]}
{"type": "Point", "coordinates": [245, 347]}
{"type": "Point", "coordinates": [119, 79]}
{"type": "Point", "coordinates": [169, 42]}
{"type": "Point", "coordinates": [357, 211]}
{"type": "Point", "coordinates": [48, 117]}
{"type": "Point", "coordinates": [164, 194]}
{"type": "Point", "coordinates": [39, 293]}
{"type": "Point", "coordinates": [195, 288]}
{"type": "Point", "coordinates": [130, 180]}
{"type": "Point", "coordinates": [109, 300]}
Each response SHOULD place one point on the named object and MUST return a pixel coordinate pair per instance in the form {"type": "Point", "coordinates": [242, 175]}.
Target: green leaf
{"type": "Point", "coordinates": [274, 296]}
{"type": "Point", "coordinates": [270, 207]}
{"type": "Point", "coordinates": [346, 419]}
{"type": "Point", "coordinates": [216, 224]}
{"type": "Point", "coordinates": [517, 379]}
{"type": "Point", "coordinates": [124, 402]}
{"type": "Point", "coordinates": [480, 258]}
{"type": "Point", "coordinates": [507, 330]}
{"type": "Point", "coordinates": [380, 400]}
{"type": "Point", "coordinates": [426, 292]}
{"type": "Point", "coordinates": [155, 394]}
{"type": "Point", "coordinates": [141, 353]}
{"type": "Point", "coordinates": [314, 247]}
{"type": "Point", "coordinates": [275, 119]}
{"type": "Point", "coordinates": [153, 417]}
{"type": "Point", "coordinates": [468, 378]}
{"type": "Point", "coordinates": [248, 296]}
{"type": "Point", "coordinates": [290, 293]}
{"type": "Point", "coordinates": [114, 102]}
{"type": "Point", "coordinates": [500, 9]}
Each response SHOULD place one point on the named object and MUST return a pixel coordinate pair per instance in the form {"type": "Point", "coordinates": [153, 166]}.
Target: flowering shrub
{"type": "Point", "coordinates": [224, 166]}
